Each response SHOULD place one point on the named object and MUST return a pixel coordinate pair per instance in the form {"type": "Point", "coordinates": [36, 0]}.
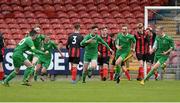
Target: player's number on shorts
{"type": "Point", "coordinates": [22, 41]}
{"type": "Point", "coordinates": [74, 40]}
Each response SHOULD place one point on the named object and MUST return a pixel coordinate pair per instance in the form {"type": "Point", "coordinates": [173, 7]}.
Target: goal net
{"type": "Point", "coordinates": [169, 18]}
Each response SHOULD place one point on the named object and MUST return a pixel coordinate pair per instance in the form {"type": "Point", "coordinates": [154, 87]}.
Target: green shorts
{"type": "Point", "coordinates": [123, 55]}
{"type": "Point", "coordinates": [45, 62]}
{"type": "Point", "coordinates": [18, 59]}
{"type": "Point", "coordinates": [162, 59]}
{"type": "Point", "coordinates": [89, 58]}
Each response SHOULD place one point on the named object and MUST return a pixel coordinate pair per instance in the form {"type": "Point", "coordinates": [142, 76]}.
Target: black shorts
{"type": "Point", "coordinates": [140, 56]}
{"type": "Point", "coordinates": [1, 58]}
{"type": "Point", "coordinates": [149, 58]}
{"type": "Point", "coordinates": [74, 60]}
{"type": "Point", "coordinates": [103, 60]}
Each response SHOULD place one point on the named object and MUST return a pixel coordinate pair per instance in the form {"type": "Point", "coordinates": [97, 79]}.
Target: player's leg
{"type": "Point", "coordinates": [141, 70]}
{"type": "Point", "coordinates": [111, 66]}
{"type": "Point", "coordinates": [105, 71]}
{"type": "Point", "coordinates": [37, 68]}
{"type": "Point", "coordinates": [43, 73]}
{"type": "Point", "coordinates": [100, 63]}
{"type": "Point", "coordinates": [125, 70]}
{"type": "Point", "coordinates": [74, 63]}
{"type": "Point", "coordinates": [118, 68]}
{"type": "Point", "coordinates": [85, 67]}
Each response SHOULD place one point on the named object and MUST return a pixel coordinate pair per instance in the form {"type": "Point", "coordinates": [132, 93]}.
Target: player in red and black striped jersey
{"type": "Point", "coordinates": [104, 53]}
{"type": "Point", "coordinates": [73, 46]}
{"type": "Point", "coordinates": [150, 38]}
{"type": "Point", "coordinates": [140, 49]}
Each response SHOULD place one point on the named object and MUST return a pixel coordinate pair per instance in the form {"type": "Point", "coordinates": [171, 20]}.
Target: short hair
{"type": "Point", "coordinates": [94, 27]}
{"type": "Point", "coordinates": [32, 33]}
{"type": "Point", "coordinates": [160, 27]}
{"type": "Point", "coordinates": [76, 26]}
{"type": "Point", "coordinates": [104, 27]}
{"type": "Point", "coordinates": [140, 25]}
{"type": "Point", "coordinates": [125, 25]}
{"type": "Point", "coordinates": [61, 41]}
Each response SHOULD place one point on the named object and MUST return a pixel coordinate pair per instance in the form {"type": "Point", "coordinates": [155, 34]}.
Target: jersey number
{"type": "Point", "coordinates": [74, 40]}
{"type": "Point", "coordinates": [22, 41]}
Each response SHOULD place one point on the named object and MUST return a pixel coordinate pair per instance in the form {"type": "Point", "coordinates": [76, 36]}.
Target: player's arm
{"type": "Point", "coordinates": [172, 47]}
{"type": "Point", "coordinates": [105, 44]}
{"type": "Point", "coordinates": [55, 47]}
{"type": "Point", "coordinates": [67, 43]}
{"type": "Point", "coordinates": [85, 41]}
{"type": "Point", "coordinates": [117, 44]}
{"type": "Point", "coordinates": [133, 47]}
{"type": "Point", "coordinates": [33, 49]}
{"type": "Point", "coordinates": [153, 49]}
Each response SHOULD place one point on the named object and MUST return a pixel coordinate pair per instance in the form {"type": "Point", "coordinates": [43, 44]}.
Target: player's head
{"type": "Point", "coordinates": [124, 29]}
{"type": "Point", "coordinates": [77, 27]}
{"type": "Point", "coordinates": [140, 28]}
{"type": "Point", "coordinates": [160, 30]}
{"type": "Point", "coordinates": [47, 38]}
{"type": "Point", "coordinates": [104, 30]}
{"type": "Point", "coordinates": [94, 29]}
{"type": "Point", "coordinates": [60, 44]}
{"type": "Point", "coordinates": [33, 34]}
{"type": "Point", "coordinates": [37, 28]}
{"type": "Point", "coordinates": [149, 30]}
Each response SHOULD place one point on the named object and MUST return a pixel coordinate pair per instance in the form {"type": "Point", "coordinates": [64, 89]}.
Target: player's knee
{"type": "Point", "coordinates": [16, 71]}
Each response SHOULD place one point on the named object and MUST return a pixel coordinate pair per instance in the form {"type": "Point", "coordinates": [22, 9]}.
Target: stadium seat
{"type": "Point", "coordinates": [86, 20]}
{"type": "Point", "coordinates": [78, 2]}
{"type": "Point", "coordinates": [2, 21]}
{"type": "Point", "coordinates": [156, 2]}
{"type": "Point", "coordinates": [83, 14]}
{"type": "Point", "coordinates": [45, 26]}
{"type": "Point", "coordinates": [10, 21]}
{"type": "Point", "coordinates": [17, 8]}
{"type": "Point", "coordinates": [3, 1]}
{"type": "Point", "coordinates": [15, 31]}
{"type": "Point", "coordinates": [18, 15]}
{"type": "Point", "coordinates": [13, 26]}
{"type": "Point", "coordinates": [83, 31]}
{"type": "Point", "coordinates": [29, 14]}
{"type": "Point", "coordinates": [73, 14]}
{"type": "Point", "coordinates": [128, 15]}
{"type": "Point", "coordinates": [5, 7]}
{"type": "Point", "coordinates": [75, 20]}
{"type": "Point", "coordinates": [40, 15]}
{"type": "Point", "coordinates": [121, 2]}
{"type": "Point", "coordinates": [132, 21]}
{"type": "Point", "coordinates": [99, 2]}
{"type": "Point", "coordinates": [125, 9]}
{"type": "Point", "coordinates": [6, 31]}
{"type": "Point", "coordinates": [108, 21]}
{"type": "Point", "coordinates": [113, 8]}
{"type": "Point", "coordinates": [7, 36]}
{"type": "Point", "coordinates": [54, 21]}
{"type": "Point", "coordinates": [95, 15]}
{"type": "Point", "coordinates": [17, 36]}
{"type": "Point", "coordinates": [61, 2]}
{"type": "Point", "coordinates": [70, 8]}
{"type": "Point", "coordinates": [4, 26]}
{"type": "Point", "coordinates": [102, 7]}
{"type": "Point", "coordinates": [37, 7]}
{"type": "Point", "coordinates": [24, 26]}
{"type": "Point", "coordinates": [69, 31]}
{"type": "Point", "coordinates": [49, 2]}
{"type": "Point", "coordinates": [66, 2]}
{"type": "Point", "coordinates": [60, 31]}
{"type": "Point", "coordinates": [87, 2]}
{"type": "Point", "coordinates": [98, 21]}
{"type": "Point", "coordinates": [136, 9]}
{"type": "Point", "coordinates": [113, 26]}
{"type": "Point", "coordinates": [91, 8]}
{"type": "Point", "coordinates": [111, 2]}
{"type": "Point", "coordinates": [28, 9]}
{"type": "Point", "coordinates": [80, 8]}
{"type": "Point", "coordinates": [106, 14]}
{"type": "Point", "coordinates": [43, 21]}
{"type": "Point", "coordinates": [49, 31]}
{"type": "Point", "coordinates": [1, 16]}
{"type": "Point", "coordinates": [57, 26]}
{"type": "Point", "coordinates": [68, 26]}
{"type": "Point", "coordinates": [120, 20]}
{"type": "Point", "coordinates": [17, 2]}
{"type": "Point", "coordinates": [59, 8]}
{"type": "Point", "coordinates": [39, 2]}
{"type": "Point", "coordinates": [62, 15]}
{"type": "Point", "coordinates": [48, 8]}
{"type": "Point", "coordinates": [26, 2]}
{"type": "Point", "coordinates": [65, 21]}
{"type": "Point", "coordinates": [133, 2]}
{"type": "Point", "coordinates": [117, 15]}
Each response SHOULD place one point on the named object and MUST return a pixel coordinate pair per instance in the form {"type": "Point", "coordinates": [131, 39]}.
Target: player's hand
{"type": "Point", "coordinates": [119, 47]}
{"type": "Point", "coordinates": [151, 50]}
{"type": "Point", "coordinates": [62, 55]}
{"type": "Point", "coordinates": [46, 52]}
{"type": "Point", "coordinates": [112, 52]}
{"type": "Point", "coordinates": [99, 53]}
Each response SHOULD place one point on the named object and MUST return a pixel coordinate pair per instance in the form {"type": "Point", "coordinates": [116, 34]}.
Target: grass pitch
{"type": "Point", "coordinates": [92, 91]}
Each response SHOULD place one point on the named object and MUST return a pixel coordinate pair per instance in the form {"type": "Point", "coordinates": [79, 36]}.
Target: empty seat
{"type": "Point", "coordinates": [28, 8]}
{"type": "Point", "coordinates": [10, 21]}
{"type": "Point", "coordinates": [102, 7]}
{"type": "Point", "coordinates": [40, 15]}
{"type": "Point", "coordinates": [120, 20]}
{"type": "Point", "coordinates": [95, 15]}
{"type": "Point", "coordinates": [59, 8]}
{"type": "Point", "coordinates": [43, 21]}
{"type": "Point", "coordinates": [48, 8]}
{"type": "Point", "coordinates": [70, 8]}
{"type": "Point", "coordinates": [91, 8]}
{"type": "Point", "coordinates": [99, 2]}
{"type": "Point", "coordinates": [68, 26]}
{"type": "Point", "coordinates": [5, 7]}
{"type": "Point", "coordinates": [39, 2]}
{"type": "Point", "coordinates": [110, 21]}
{"type": "Point", "coordinates": [106, 15]}
{"type": "Point", "coordinates": [113, 8]}
{"type": "Point", "coordinates": [75, 20]}
{"type": "Point", "coordinates": [80, 8]}
{"type": "Point", "coordinates": [49, 2]}
{"type": "Point", "coordinates": [62, 15]}
{"type": "Point", "coordinates": [26, 2]}
{"type": "Point", "coordinates": [13, 26]}
{"type": "Point", "coordinates": [61, 2]}
{"type": "Point", "coordinates": [86, 20]}
{"type": "Point", "coordinates": [73, 14]}
{"type": "Point", "coordinates": [121, 2]}
{"type": "Point", "coordinates": [17, 8]}
{"type": "Point", "coordinates": [37, 7]}
{"type": "Point", "coordinates": [18, 15]}
{"type": "Point", "coordinates": [98, 21]}
{"type": "Point", "coordinates": [13, 30]}
{"type": "Point", "coordinates": [87, 2]}
{"type": "Point", "coordinates": [83, 15]}
{"type": "Point", "coordinates": [110, 2]}
{"type": "Point", "coordinates": [24, 26]}
{"type": "Point", "coordinates": [54, 21]}
{"type": "Point", "coordinates": [29, 14]}
{"type": "Point", "coordinates": [132, 3]}
{"type": "Point", "coordinates": [57, 26]}
{"type": "Point", "coordinates": [66, 2]}
{"type": "Point", "coordinates": [77, 2]}
{"type": "Point", "coordinates": [4, 26]}
{"type": "Point", "coordinates": [17, 2]}
{"type": "Point", "coordinates": [45, 26]}
{"type": "Point", "coordinates": [3, 1]}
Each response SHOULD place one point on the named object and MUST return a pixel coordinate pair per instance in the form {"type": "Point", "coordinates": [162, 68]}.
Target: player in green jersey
{"type": "Point", "coordinates": [125, 43]}
{"type": "Point", "coordinates": [162, 47]}
{"type": "Point", "coordinates": [19, 59]}
{"type": "Point", "coordinates": [91, 42]}
{"type": "Point", "coordinates": [45, 60]}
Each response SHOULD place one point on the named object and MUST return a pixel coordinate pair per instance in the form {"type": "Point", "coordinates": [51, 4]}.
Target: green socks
{"type": "Point", "coordinates": [27, 73]}
{"type": "Point", "coordinates": [84, 76]}
{"type": "Point", "coordinates": [149, 74]}
{"type": "Point", "coordinates": [10, 76]}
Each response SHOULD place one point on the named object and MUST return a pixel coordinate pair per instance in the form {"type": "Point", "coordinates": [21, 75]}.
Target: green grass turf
{"type": "Point", "coordinates": [92, 91]}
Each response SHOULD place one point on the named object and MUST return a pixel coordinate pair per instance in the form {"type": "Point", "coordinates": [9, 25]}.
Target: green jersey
{"type": "Point", "coordinates": [163, 44]}
{"type": "Point", "coordinates": [38, 41]}
{"type": "Point", "coordinates": [50, 46]}
{"type": "Point", "coordinates": [125, 41]}
{"type": "Point", "coordinates": [92, 48]}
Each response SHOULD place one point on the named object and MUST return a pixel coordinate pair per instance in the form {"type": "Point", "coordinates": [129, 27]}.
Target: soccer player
{"type": "Point", "coordinates": [162, 47]}
{"type": "Point", "coordinates": [125, 44]}
{"type": "Point", "coordinates": [91, 42]}
{"type": "Point", "coordinates": [73, 46]}
{"type": "Point", "coordinates": [140, 49]}
{"type": "Point", "coordinates": [1, 56]}
{"type": "Point", "coordinates": [149, 58]}
{"type": "Point", "coordinates": [19, 59]}
{"type": "Point", "coordinates": [104, 54]}
{"type": "Point", "coordinates": [45, 60]}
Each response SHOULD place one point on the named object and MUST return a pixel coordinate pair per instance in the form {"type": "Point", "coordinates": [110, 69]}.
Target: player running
{"type": "Point", "coordinates": [45, 60]}
{"type": "Point", "coordinates": [19, 59]}
{"type": "Point", "coordinates": [162, 47]}
{"type": "Point", "coordinates": [73, 46]}
{"type": "Point", "coordinates": [125, 44]}
{"type": "Point", "coordinates": [91, 42]}
{"type": "Point", "coordinates": [104, 54]}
